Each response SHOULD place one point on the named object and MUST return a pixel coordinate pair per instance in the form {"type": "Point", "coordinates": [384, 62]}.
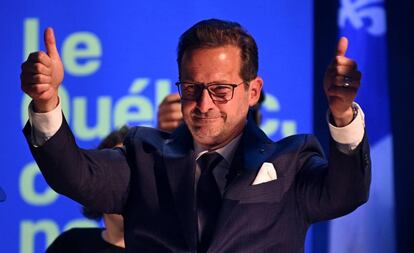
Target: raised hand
{"type": "Point", "coordinates": [42, 74]}
{"type": "Point", "coordinates": [169, 113]}
{"type": "Point", "coordinates": [341, 83]}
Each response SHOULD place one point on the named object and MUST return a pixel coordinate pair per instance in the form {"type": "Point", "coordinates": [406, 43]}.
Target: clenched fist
{"type": "Point", "coordinates": [341, 83]}
{"type": "Point", "coordinates": [169, 113]}
{"type": "Point", "coordinates": [41, 75]}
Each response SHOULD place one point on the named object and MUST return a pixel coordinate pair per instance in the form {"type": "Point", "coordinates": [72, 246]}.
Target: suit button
{"type": "Point", "coordinates": [366, 159]}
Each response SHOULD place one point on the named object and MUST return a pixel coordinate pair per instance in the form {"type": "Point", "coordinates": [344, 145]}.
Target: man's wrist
{"type": "Point", "coordinates": [45, 106]}
{"type": "Point", "coordinates": [44, 125]}
{"type": "Point", "coordinates": [351, 134]}
{"type": "Point", "coordinates": [345, 120]}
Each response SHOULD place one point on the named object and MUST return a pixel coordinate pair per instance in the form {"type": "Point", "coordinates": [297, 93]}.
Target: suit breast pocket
{"type": "Point", "coordinates": [269, 192]}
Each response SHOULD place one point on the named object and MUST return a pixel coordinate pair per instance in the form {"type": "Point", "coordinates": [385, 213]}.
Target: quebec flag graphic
{"type": "Point", "coordinates": [369, 229]}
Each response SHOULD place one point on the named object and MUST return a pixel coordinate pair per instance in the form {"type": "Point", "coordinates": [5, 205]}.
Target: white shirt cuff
{"type": "Point", "coordinates": [44, 125]}
{"type": "Point", "coordinates": [349, 136]}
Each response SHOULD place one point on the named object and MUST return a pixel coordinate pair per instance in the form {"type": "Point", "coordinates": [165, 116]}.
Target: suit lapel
{"type": "Point", "coordinates": [254, 148]}
{"type": "Point", "coordinates": [180, 167]}
{"type": "Point", "coordinates": [252, 151]}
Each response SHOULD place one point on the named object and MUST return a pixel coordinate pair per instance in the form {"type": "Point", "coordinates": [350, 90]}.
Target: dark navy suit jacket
{"type": "Point", "coordinates": [151, 182]}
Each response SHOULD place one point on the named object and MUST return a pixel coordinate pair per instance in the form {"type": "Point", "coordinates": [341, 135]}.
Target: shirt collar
{"type": "Point", "coordinates": [227, 152]}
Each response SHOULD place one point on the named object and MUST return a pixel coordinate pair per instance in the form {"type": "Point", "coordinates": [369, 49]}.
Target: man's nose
{"type": "Point", "coordinates": [204, 102]}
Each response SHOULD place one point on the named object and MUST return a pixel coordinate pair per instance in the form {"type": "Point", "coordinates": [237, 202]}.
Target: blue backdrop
{"type": "Point", "coordinates": [372, 225]}
{"type": "Point", "coordinates": [119, 59]}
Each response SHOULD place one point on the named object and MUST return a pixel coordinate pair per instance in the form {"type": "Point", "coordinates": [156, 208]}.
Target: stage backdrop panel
{"type": "Point", "coordinates": [372, 225]}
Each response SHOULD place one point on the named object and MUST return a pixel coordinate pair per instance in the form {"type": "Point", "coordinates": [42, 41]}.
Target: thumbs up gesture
{"type": "Point", "coordinates": [41, 75]}
{"type": "Point", "coordinates": [341, 83]}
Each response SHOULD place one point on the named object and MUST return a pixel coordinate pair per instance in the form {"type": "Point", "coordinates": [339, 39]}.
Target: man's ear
{"type": "Point", "coordinates": [254, 90]}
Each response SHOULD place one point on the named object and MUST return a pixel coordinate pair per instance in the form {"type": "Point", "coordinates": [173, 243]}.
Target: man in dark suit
{"type": "Point", "coordinates": [217, 183]}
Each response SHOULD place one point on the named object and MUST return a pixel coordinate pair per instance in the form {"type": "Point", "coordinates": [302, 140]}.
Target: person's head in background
{"type": "Point", "coordinates": [255, 111]}
{"type": "Point", "coordinates": [114, 223]}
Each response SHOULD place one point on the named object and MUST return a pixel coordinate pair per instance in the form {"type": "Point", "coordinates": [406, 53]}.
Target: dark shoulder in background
{"type": "Point", "coordinates": [73, 241]}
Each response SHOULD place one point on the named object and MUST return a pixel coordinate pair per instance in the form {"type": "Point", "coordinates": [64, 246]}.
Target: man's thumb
{"type": "Point", "coordinates": [342, 46]}
{"type": "Point", "coordinates": [50, 43]}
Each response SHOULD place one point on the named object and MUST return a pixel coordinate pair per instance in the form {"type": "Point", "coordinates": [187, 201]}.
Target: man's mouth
{"type": "Point", "coordinates": [205, 116]}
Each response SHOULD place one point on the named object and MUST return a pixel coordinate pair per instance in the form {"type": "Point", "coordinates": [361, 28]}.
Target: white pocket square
{"type": "Point", "coordinates": [266, 173]}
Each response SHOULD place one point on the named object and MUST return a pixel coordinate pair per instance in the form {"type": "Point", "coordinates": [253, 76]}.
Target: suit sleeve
{"type": "Point", "coordinates": [95, 178]}
{"type": "Point", "coordinates": [327, 189]}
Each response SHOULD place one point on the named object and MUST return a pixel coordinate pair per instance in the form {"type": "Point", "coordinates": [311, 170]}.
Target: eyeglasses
{"type": "Point", "coordinates": [219, 92]}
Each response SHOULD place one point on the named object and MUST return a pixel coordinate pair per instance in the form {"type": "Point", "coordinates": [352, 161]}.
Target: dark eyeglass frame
{"type": "Point", "coordinates": [208, 87]}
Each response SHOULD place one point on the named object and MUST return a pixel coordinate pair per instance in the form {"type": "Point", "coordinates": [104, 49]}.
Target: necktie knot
{"type": "Point", "coordinates": [209, 161]}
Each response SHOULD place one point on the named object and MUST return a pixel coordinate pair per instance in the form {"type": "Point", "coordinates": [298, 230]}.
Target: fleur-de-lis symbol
{"type": "Point", "coordinates": [358, 11]}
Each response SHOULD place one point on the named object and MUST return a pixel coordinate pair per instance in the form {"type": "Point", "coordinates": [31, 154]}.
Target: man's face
{"type": "Point", "coordinates": [215, 124]}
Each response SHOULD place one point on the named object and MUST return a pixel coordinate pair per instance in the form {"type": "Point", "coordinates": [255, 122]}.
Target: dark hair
{"type": "Point", "coordinates": [114, 138]}
{"type": "Point", "coordinates": [213, 33]}
{"type": "Point", "coordinates": [111, 140]}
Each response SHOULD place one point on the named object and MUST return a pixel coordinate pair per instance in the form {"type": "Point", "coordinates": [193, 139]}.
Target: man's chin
{"type": "Point", "coordinates": [207, 143]}
{"type": "Point", "coordinates": [206, 126]}
{"type": "Point", "coordinates": [205, 138]}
